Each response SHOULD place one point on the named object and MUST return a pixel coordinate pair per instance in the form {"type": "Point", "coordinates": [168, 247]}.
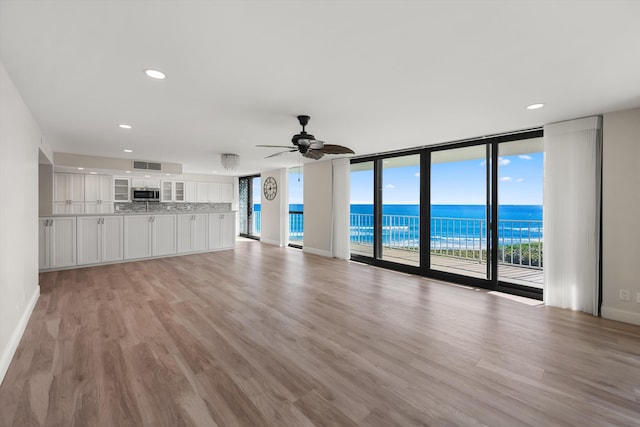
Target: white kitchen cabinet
{"type": "Point", "coordinates": [191, 192]}
{"type": "Point", "coordinates": [172, 191]}
{"type": "Point", "coordinates": [149, 235]}
{"type": "Point", "coordinates": [68, 207]}
{"type": "Point", "coordinates": [145, 182]}
{"type": "Point", "coordinates": [98, 207]}
{"type": "Point", "coordinates": [98, 194]}
{"type": "Point", "coordinates": [215, 192]}
{"type": "Point", "coordinates": [121, 189]}
{"type": "Point", "coordinates": [203, 192]}
{"type": "Point", "coordinates": [222, 230]}
{"type": "Point", "coordinates": [226, 192]}
{"type": "Point", "coordinates": [100, 239]}
{"type": "Point", "coordinates": [57, 242]}
{"type": "Point", "coordinates": [193, 232]}
{"type": "Point", "coordinates": [68, 193]}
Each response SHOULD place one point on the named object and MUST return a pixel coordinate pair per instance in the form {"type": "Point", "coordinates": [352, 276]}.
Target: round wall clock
{"type": "Point", "coordinates": [270, 188]}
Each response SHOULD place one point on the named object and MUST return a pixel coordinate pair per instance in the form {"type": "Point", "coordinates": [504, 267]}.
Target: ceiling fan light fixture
{"type": "Point", "coordinates": [229, 161]}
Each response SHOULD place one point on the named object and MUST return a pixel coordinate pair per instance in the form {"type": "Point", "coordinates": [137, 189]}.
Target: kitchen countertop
{"type": "Point", "coordinates": [136, 213]}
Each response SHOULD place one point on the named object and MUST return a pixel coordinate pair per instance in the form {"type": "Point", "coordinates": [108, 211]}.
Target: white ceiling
{"type": "Point", "coordinates": [374, 75]}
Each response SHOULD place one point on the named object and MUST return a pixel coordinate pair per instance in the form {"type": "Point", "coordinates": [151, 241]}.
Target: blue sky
{"type": "Point", "coordinates": [520, 182]}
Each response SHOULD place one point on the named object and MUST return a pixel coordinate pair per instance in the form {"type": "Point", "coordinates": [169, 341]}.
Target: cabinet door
{"type": "Point", "coordinates": [112, 238]}
{"type": "Point", "coordinates": [91, 207]}
{"type": "Point", "coordinates": [215, 230]}
{"type": "Point", "coordinates": [76, 187]}
{"type": "Point", "coordinates": [215, 192]}
{"type": "Point", "coordinates": [75, 208]}
{"type": "Point", "coordinates": [226, 190]}
{"type": "Point", "coordinates": [166, 191]}
{"type": "Point", "coordinates": [228, 230]}
{"type": "Point", "coordinates": [178, 195]}
{"type": "Point", "coordinates": [61, 187]}
{"type": "Point", "coordinates": [91, 188]}
{"type": "Point", "coordinates": [138, 182]}
{"type": "Point", "coordinates": [61, 208]}
{"type": "Point", "coordinates": [121, 189]}
{"type": "Point", "coordinates": [137, 236]}
{"type": "Point", "coordinates": [203, 192]}
{"type": "Point", "coordinates": [43, 243]}
{"type": "Point", "coordinates": [164, 234]}
{"type": "Point", "coordinates": [200, 232]}
{"type": "Point", "coordinates": [153, 183]}
{"type": "Point", "coordinates": [185, 233]}
{"type": "Point", "coordinates": [62, 241]}
{"type": "Point", "coordinates": [191, 194]}
{"type": "Point", "coordinates": [105, 188]}
{"type": "Point", "coordinates": [89, 240]}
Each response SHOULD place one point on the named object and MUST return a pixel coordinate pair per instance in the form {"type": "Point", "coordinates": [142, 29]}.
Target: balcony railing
{"type": "Point", "coordinates": [520, 242]}
{"type": "Point", "coordinates": [296, 227]}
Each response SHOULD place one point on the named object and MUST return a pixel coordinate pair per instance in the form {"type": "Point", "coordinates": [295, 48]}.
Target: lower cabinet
{"type": "Point", "coordinates": [149, 235]}
{"type": "Point", "coordinates": [192, 233]}
{"type": "Point", "coordinates": [100, 239]}
{"type": "Point", "coordinates": [222, 230]}
{"type": "Point", "coordinates": [57, 242]}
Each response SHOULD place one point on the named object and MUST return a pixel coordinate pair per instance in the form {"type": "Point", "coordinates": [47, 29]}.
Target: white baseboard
{"type": "Point", "coordinates": [16, 336]}
{"type": "Point", "coordinates": [315, 251]}
{"type": "Point", "coordinates": [270, 242]}
{"type": "Point", "coordinates": [621, 315]}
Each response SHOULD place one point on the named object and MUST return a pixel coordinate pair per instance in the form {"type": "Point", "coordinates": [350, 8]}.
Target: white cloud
{"type": "Point", "coordinates": [503, 162]}
{"type": "Point", "coordinates": [520, 180]}
{"type": "Point", "coordinates": [417, 174]}
{"type": "Point", "coordinates": [525, 157]}
{"type": "Point", "coordinates": [390, 186]}
{"type": "Point", "coordinates": [506, 179]}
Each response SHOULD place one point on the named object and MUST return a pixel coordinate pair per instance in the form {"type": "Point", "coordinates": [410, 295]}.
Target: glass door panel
{"type": "Point", "coordinates": [255, 207]}
{"type": "Point", "coordinates": [520, 237]}
{"type": "Point", "coordinates": [361, 218]}
{"type": "Point", "coordinates": [401, 210]}
{"type": "Point", "coordinates": [458, 241]}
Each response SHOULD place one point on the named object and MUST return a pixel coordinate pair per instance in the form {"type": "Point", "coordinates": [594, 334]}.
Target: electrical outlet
{"type": "Point", "coordinates": [625, 295]}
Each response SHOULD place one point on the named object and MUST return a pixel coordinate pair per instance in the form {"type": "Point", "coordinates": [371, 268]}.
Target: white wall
{"type": "Point", "coordinates": [274, 215]}
{"type": "Point", "coordinates": [621, 213]}
{"type": "Point", "coordinates": [20, 139]}
{"type": "Point", "coordinates": [318, 197]}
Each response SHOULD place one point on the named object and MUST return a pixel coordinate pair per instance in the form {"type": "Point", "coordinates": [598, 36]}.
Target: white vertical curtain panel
{"type": "Point", "coordinates": [572, 192]}
{"type": "Point", "coordinates": [340, 244]}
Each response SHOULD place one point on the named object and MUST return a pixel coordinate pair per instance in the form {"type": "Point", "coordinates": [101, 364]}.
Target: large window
{"type": "Point", "coordinates": [469, 212]}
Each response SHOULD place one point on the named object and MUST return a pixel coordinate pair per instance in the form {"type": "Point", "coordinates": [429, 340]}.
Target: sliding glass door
{"type": "Point", "coordinates": [469, 212]}
{"type": "Point", "coordinates": [249, 206]}
{"type": "Point", "coordinates": [460, 238]}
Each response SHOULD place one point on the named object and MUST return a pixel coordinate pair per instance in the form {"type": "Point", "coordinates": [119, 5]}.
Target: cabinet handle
{"type": "Point", "coordinates": [51, 223]}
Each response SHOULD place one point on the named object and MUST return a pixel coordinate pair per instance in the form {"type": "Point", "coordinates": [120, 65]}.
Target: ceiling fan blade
{"type": "Point", "coordinates": [336, 149]}
{"type": "Point", "coordinates": [275, 146]}
{"type": "Point", "coordinates": [281, 152]}
{"type": "Point", "coordinates": [313, 154]}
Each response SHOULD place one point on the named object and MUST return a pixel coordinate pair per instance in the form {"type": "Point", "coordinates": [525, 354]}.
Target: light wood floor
{"type": "Point", "coordinates": [268, 336]}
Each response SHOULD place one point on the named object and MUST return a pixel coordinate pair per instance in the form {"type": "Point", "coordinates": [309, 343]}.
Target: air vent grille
{"type": "Point", "coordinates": [148, 166]}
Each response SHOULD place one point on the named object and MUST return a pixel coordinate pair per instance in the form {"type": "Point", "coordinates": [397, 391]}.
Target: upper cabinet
{"type": "Point", "coordinates": [172, 191]}
{"type": "Point", "coordinates": [98, 194]}
{"type": "Point", "coordinates": [121, 191]}
{"type": "Point", "coordinates": [209, 192]}
{"type": "Point", "coordinates": [68, 193]}
{"type": "Point", "coordinates": [145, 182]}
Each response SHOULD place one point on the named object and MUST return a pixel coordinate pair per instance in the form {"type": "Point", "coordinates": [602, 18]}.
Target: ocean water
{"type": "Point", "coordinates": [452, 226]}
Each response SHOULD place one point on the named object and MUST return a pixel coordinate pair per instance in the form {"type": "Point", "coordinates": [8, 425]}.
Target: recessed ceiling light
{"type": "Point", "coordinates": [214, 172]}
{"type": "Point", "coordinates": [124, 126]}
{"type": "Point", "coordinates": [534, 106]}
{"type": "Point", "coordinates": [80, 169]}
{"type": "Point", "coordinates": [155, 74]}
{"type": "Point", "coordinates": [127, 171]}
{"type": "Point", "coordinates": [167, 174]}
{"type": "Point", "coordinates": [147, 176]}
{"type": "Point", "coordinates": [127, 150]}
{"type": "Point", "coordinates": [93, 173]}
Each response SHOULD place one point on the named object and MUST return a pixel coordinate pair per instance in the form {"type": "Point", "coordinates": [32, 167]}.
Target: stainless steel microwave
{"type": "Point", "coordinates": [145, 194]}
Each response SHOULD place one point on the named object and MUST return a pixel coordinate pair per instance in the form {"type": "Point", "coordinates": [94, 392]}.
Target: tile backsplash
{"type": "Point", "coordinates": [136, 207]}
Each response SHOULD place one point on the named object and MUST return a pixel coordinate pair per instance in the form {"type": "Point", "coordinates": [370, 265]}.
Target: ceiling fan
{"type": "Point", "coordinates": [308, 145]}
